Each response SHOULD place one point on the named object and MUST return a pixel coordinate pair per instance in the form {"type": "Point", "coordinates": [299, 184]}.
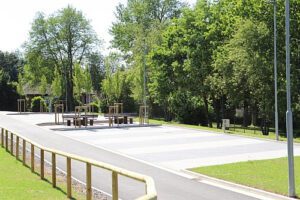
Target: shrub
{"type": "Point", "coordinates": [35, 103]}
{"type": "Point", "coordinates": [95, 107]}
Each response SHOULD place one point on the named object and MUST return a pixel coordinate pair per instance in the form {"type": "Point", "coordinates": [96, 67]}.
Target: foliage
{"type": "Point", "coordinates": [43, 85]}
{"type": "Point", "coordinates": [56, 86]}
{"type": "Point", "coordinates": [97, 71]}
{"type": "Point", "coordinates": [113, 83]}
{"type": "Point", "coordinates": [95, 106]}
{"type": "Point", "coordinates": [138, 27]}
{"type": "Point", "coordinates": [79, 81]}
{"type": "Point", "coordinates": [61, 39]}
{"type": "Point", "coordinates": [10, 65]}
{"type": "Point", "coordinates": [36, 102]}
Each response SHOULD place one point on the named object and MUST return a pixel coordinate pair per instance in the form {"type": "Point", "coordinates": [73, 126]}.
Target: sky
{"type": "Point", "coordinates": [16, 17]}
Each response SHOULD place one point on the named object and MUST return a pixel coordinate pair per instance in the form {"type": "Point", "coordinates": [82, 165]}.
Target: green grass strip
{"type": "Point", "coordinates": [237, 130]}
{"type": "Point", "coordinates": [270, 175]}
{"type": "Point", "coordinates": [17, 182]}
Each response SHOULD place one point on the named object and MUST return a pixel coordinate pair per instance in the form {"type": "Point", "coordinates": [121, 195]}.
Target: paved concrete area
{"type": "Point", "coordinates": [149, 150]}
{"type": "Point", "coordinates": [170, 147]}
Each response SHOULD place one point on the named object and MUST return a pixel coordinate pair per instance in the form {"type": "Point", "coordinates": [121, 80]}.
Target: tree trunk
{"type": "Point", "coordinates": [209, 123]}
{"type": "Point", "coordinates": [245, 114]}
{"type": "Point", "coordinates": [254, 115]}
{"type": "Point", "coordinates": [70, 97]}
{"type": "Point", "coordinates": [217, 104]}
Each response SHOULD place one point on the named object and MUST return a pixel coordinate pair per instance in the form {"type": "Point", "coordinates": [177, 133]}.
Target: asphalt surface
{"type": "Point", "coordinates": [169, 186]}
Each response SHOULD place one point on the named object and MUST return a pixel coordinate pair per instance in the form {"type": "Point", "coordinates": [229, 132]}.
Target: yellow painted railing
{"type": "Point", "coordinates": [150, 193]}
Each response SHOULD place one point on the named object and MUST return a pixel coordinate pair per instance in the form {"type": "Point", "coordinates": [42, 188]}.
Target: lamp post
{"type": "Point", "coordinates": [275, 69]}
{"type": "Point", "coordinates": [289, 115]}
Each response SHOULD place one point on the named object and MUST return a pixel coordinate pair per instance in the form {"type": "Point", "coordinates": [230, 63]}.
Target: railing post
{"type": "Point", "coordinates": [88, 181]}
{"type": "Point", "coordinates": [32, 157]}
{"type": "Point", "coordinates": [11, 143]}
{"type": "Point", "coordinates": [2, 137]}
{"type": "Point", "coordinates": [53, 170]}
{"type": "Point", "coordinates": [42, 164]}
{"type": "Point", "coordinates": [17, 147]}
{"type": "Point", "coordinates": [115, 195]}
{"type": "Point", "coordinates": [6, 140]}
{"type": "Point", "coordinates": [24, 152]}
{"type": "Point", "coordinates": [69, 181]}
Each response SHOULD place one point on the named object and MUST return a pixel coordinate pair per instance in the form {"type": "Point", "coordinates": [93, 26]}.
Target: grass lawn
{"type": "Point", "coordinates": [237, 130]}
{"type": "Point", "coordinates": [270, 175]}
{"type": "Point", "coordinates": [17, 182]}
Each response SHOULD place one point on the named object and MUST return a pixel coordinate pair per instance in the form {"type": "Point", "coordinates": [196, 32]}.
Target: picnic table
{"type": "Point", "coordinates": [83, 119]}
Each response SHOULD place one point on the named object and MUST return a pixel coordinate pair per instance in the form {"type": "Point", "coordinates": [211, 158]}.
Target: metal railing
{"type": "Point", "coordinates": [150, 193]}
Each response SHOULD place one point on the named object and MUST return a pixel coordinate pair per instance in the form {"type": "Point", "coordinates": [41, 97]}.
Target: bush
{"type": "Point", "coordinates": [95, 107]}
{"type": "Point", "coordinates": [35, 103]}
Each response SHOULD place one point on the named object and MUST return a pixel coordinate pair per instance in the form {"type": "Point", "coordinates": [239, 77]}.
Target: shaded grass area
{"type": "Point", "coordinates": [250, 132]}
{"type": "Point", "coordinates": [270, 175]}
{"type": "Point", "coordinates": [17, 182]}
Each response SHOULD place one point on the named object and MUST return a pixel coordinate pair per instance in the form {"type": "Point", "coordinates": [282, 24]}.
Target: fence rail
{"type": "Point", "coordinates": [150, 191]}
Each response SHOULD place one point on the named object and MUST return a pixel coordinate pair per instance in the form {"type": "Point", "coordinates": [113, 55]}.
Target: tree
{"type": "Point", "coordinates": [97, 71]}
{"type": "Point", "coordinates": [10, 65]}
{"type": "Point", "coordinates": [56, 88]}
{"type": "Point", "coordinates": [43, 85]}
{"type": "Point", "coordinates": [88, 85]}
{"type": "Point", "coordinates": [62, 39]}
{"type": "Point", "coordinates": [112, 85]}
{"type": "Point", "coordinates": [79, 81]}
{"type": "Point", "coordinates": [185, 56]}
{"type": "Point", "coordinates": [137, 29]}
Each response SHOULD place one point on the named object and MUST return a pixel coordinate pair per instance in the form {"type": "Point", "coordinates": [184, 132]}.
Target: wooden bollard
{"type": "Point", "coordinates": [115, 195]}
{"type": "Point", "coordinates": [6, 140]}
{"type": "Point", "coordinates": [2, 137]}
{"type": "Point", "coordinates": [17, 147]}
{"type": "Point", "coordinates": [24, 152]}
{"type": "Point", "coordinates": [53, 170]}
{"type": "Point", "coordinates": [42, 164]}
{"type": "Point", "coordinates": [32, 158]}
{"type": "Point", "coordinates": [11, 143]}
{"type": "Point", "coordinates": [88, 181]}
{"type": "Point", "coordinates": [69, 181]}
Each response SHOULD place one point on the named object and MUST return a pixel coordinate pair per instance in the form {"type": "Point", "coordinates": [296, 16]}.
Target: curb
{"type": "Point", "coordinates": [246, 190]}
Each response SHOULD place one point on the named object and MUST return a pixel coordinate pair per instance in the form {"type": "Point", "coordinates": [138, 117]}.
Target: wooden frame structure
{"type": "Point", "coordinates": [20, 103]}
{"type": "Point", "coordinates": [112, 110]}
{"type": "Point", "coordinates": [90, 108]}
{"type": "Point", "coordinates": [9, 139]}
{"type": "Point", "coordinates": [143, 115]}
{"type": "Point", "coordinates": [119, 108]}
{"type": "Point", "coordinates": [77, 119]}
{"type": "Point", "coordinates": [56, 110]}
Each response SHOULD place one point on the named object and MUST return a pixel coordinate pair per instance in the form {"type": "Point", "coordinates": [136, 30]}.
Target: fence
{"type": "Point", "coordinates": [150, 193]}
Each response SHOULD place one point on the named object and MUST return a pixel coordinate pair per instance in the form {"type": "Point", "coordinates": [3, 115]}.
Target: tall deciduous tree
{"type": "Point", "coordinates": [56, 86]}
{"type": "Point", "coordinates": [62, 39]}
{"type": "Point", "coordinates": [138, 27]}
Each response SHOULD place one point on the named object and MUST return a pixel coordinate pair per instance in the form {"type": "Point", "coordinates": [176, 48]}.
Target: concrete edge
{"type": "Point", "coordinates": [254, 192]}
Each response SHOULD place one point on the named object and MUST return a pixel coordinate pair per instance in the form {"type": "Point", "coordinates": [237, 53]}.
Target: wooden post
{"type": "Point", "coordinates": [17, 147]}
{"type": "Point", "coordinates": [115, 195]}
{"type": "Point", "coordinates": [6, 140]}
{"type": "Point", "coordinates": [88, 181]}
{"type": "Point", "coordinates": [32, 158]}
{"type": "Point", "coordinates": [53, 170]}
{"type": "Point", "coordinates": [2, 137]}
{"type": "Point", "coordinates": [69, 181]}
{"type": "Point", "coordinates": [24, 152]}
{"type": "Point", "coordinates": [42, 164]}
{"type": "Point", "coordinates": [11, 143]}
